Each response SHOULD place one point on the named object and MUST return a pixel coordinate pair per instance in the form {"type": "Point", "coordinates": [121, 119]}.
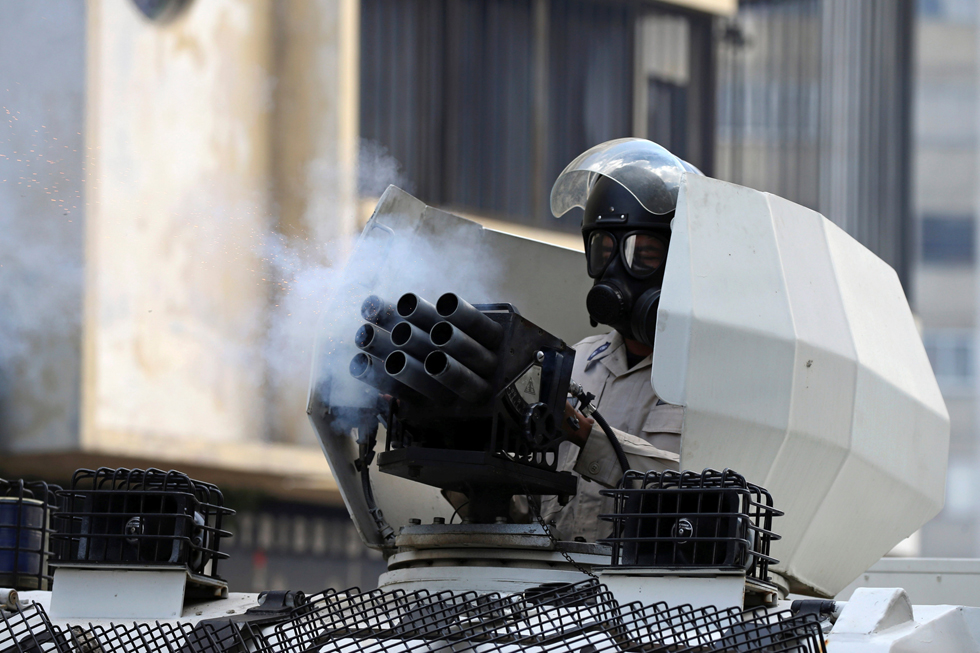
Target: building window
{"type": "Point", "coordinates": [957, 11]}
{"type": "Point", "coordinates": [674, 103]}
{"type": "Point", "coordinates": [947, 240]}
{"type": "Point", "coordinates": [961, 490]}
{"type": "Point", "coordinates": [950, 352]}
{"type": "Point", "coordinates": [484, 102]}
{"type": "Point", "coordinates": [667, 115]}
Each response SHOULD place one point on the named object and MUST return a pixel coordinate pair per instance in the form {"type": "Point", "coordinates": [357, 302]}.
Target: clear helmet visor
{"type": "Point", "coordinates": [647, 170]}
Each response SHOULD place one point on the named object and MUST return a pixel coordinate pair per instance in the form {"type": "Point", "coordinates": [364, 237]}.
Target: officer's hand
{"type": "Point", "coordinates": [584, 425]}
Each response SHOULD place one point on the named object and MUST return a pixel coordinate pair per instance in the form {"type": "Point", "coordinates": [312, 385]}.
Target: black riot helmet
{"type": "Point", "coordinates": [628, 188]}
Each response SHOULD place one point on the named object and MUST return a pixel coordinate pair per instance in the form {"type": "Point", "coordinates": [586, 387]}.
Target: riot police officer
{"type": "Point", "coordinates": [628, 190]}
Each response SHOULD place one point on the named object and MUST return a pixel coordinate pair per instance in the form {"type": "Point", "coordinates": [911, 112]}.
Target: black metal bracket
{"type": "Point", "coordinates": [820, 607]}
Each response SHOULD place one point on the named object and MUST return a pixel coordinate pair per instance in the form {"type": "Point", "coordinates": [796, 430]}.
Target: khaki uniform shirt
{"type": "Point", "coordinates": [648, 429]}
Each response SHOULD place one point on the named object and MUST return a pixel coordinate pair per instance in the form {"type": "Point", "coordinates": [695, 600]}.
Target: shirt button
{"type": "Point", "coordinates": [594, 467]}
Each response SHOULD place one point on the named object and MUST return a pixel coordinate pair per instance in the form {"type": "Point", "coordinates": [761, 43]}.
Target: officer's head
{"type": "Point", "coordinates": [628, 188]}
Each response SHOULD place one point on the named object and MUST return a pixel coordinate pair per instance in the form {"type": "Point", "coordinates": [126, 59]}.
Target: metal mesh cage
{"type": "Point", "coordinates": [169, 637]}
{"type": "Point", "coordinates": [131, 516]}
{"type": "Point", "coordinates": [580, 617]}
{"type": "Point", "coordinates": [378, 620]}
{"type": "Point", "coordinates": [571, 618]}
{"type": "Point", "coordinates": [26, 509]}
{"type": "Point", "coordinates": [684, 628]}
{"type": "Point", "coordinates": [135, 638]}
{"type": "Point", "coordinates": [27, 630]}
{"type": "Point", "coordinates": [686, 519]}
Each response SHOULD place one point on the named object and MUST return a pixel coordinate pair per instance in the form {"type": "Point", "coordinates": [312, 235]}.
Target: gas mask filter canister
{"type": "Point", "coordinates": [630, 307]}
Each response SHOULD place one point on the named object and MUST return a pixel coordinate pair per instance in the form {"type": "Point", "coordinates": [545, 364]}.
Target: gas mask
{"type": "Point", "coordinates": [626, 249]}
{"type": "Point", "coordinates": [628, 268]}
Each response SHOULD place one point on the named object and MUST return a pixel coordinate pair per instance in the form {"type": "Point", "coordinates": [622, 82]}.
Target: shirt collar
{"type": "Point", "coordinates": [613, 357]}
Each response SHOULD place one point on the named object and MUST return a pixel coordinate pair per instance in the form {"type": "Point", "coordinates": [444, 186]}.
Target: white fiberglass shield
{"type": "Point", "coordinates": [796, 356]}
{"type": "Point", "coordinates": [410, 247]}
{"type": "Point", "coordinates": [647, 170]}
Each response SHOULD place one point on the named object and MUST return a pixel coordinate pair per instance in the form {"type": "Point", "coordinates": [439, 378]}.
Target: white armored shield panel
{"type": "Point", "coordinates": [410, 247]}
{"type": "Point", "coordinates": [795, 353]}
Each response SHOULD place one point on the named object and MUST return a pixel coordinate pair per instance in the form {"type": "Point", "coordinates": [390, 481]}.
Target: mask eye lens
{"type": "Point", "coordinates": [643, 254]}
{"type": "Point", "coordinates": [601, 248]}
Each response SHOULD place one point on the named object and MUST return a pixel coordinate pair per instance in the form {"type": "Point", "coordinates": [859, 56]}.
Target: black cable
{"type": "Point", "coordinates": [613, 440]}
{"type": "Point", "coordinates": [366, 451]}
{"type": "Point", "coordinates": [386, 531]}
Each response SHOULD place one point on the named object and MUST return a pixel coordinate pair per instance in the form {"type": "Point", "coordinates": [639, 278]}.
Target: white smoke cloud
{"type": "Point", "coordinates": [307, 277]}
{"type": "Point", "coordinates": [41, 248]}
{"type": "Point", "coordinates": [40, 295]}
{"type": "Point", "coordinates": [319, 297]}
{"type": "Point", "coordinates": [377, 169]}
{"type": "Point", "coordinates": [42, 290]}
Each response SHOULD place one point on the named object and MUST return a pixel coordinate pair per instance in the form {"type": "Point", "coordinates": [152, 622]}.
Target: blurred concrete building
{"type": "Point", "coordinates": [219, 151]}
{"type": "Point", "coordinates": [157, 158]}
{"type": "Point", "coordinates": [774, 72]}
{"type": "Point", "coordinates": [167, 162]}
{"type": "Point", "coordinates": [944, 284]}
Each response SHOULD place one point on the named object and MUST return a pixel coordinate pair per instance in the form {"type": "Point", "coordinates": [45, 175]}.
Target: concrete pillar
{"type": "Point", "coordinates": [174, 288]}
{"type": "Point", "coordinates": [315, 140]}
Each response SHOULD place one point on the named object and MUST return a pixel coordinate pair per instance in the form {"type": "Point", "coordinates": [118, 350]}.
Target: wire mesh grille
{"type": "Point", "coordinates": [26, 509]}
{"type": "Point", "coordinates": [572, 618]}
{"type": "Point", "coordinates": [170, 637]}
{"type": "Point", "coordinates": [28, 630]}
{"type": "Point", "coordinates": [151, 517]}
{"type": "Point", "coordinates": [581, 617]}
{"type": "Point", "coordinates": [686, 519]}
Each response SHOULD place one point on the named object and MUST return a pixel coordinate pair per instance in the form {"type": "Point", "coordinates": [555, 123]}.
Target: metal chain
{"type": "Point", "coordinates": [536, 514]}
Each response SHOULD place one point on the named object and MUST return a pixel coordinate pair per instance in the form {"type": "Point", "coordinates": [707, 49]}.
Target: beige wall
{"type": "Point", "coordinates": [314, 126]}
{"type": "Point", "coordinates": [180, 142]}
{"type": "Point", "coordinates": [315, 140]}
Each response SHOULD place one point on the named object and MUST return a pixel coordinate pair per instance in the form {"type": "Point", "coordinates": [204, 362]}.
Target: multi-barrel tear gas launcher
{"type": "Point", "coordinates": [474, 397]}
